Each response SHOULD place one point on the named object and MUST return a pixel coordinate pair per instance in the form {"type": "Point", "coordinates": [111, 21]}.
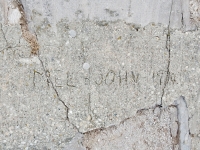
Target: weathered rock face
{"type": "Point", "coordinates": [137, 133]}
{"type": "Point", "coordinates": [99, 63]}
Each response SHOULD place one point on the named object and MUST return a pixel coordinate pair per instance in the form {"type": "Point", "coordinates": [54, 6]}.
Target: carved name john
{"type": "Point", "coordinates": [108, 78]}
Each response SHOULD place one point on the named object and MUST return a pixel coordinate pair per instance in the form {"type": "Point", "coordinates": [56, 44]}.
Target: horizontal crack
{"type": "Point", "coordinates": [105, 133]}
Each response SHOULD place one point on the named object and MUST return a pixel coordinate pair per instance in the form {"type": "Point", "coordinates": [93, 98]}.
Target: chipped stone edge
{"type": "Point", "coordinates": [27, 35]}
{"type": "Point", "coordinates": [183, 120]}
{"type": "Point", "coordinates": [181, 138]}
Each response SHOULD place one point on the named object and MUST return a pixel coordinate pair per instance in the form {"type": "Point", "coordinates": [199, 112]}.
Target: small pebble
{"type": "Point", "coordinates": [86, 66]}
{"type": "Point", "coordinates": [72, 33]}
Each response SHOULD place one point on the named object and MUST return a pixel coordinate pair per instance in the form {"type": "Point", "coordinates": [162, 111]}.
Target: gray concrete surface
{"type": "Point", "coordinates": [106, 76]}
{"type": "Point", "coordinates": [146, 130]}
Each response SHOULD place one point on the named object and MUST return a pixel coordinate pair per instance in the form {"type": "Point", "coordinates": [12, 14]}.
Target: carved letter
{"type": "Point", "coordinates": [135, 78]}
{"type": "Point", "coordinates": [120, 78]}
{"type": "Point", "coordinates": [110, 75]}
{"type": "Point", "coordinates": [58, 82]}
{"type": "Point", "coordinates": [34, 75]}
{"type": "Point", "coordinates": [69, 78]}
{"type": "Point", "coordinates": [87, 81]}
{"type": "Point", "coordinates": [100, 81]}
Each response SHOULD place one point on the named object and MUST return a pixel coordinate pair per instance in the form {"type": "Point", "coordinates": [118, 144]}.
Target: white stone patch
{"type": "Point", "coordinates": [67, 43]}
{"type": "Point", "coordinates": [86, 66]}
{"type": "Point", "coordinates": [183, 117]}
{"type": "Point", "coordinates": [29, 60]}
{"type": "Point", "coordinates": [72, 33]}
{"type": "Point", "coordinates": [14, 16]}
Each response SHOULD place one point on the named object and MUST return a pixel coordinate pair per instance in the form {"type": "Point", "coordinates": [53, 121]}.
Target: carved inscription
{"type": "Point", "coordinates": [159, 77]}
{"type": "Point", "coordinates": [69, 80]}
{"type": "Point", "coordinates": [108, 78]}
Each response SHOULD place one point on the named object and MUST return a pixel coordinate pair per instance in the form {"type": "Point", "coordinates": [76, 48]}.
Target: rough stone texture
{"type": "Point", "coordinates": [195, 11]}
{"type": "Point", "coordinates": [146, 130]}
{"type": "Point", "coordinates": [99, 63]}
{"type": "Point", "coordinates": [131, 11]}
{"type": "Point", "coordinates": [30, 117]}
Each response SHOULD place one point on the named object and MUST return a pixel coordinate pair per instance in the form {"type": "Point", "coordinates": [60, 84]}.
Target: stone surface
{"type": "Point", "coordinates": [184, 140]}
{"type": "Point", "coordinates": [99, 63]}
{"type": "Point", "coordinates": [143, 131]}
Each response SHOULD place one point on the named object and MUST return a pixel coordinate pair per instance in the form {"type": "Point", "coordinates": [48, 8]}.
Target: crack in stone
{"type": "Point", "coordinates": [32, 40]}
{"type": "Point", "coordinates": [175, 139]}
{"type": "Point", "coordinates": [57, 94]}
{"type": "Point", "coordinates": [4, 36]}
{"type": "Point", "coordinates": [179, 133]}
{"type": "Point", "coordinates": [137, 112]}
{"type": "Point", "coordinates": [129, 8]}
{"type": "Point", "coordinates": [168, 38]}
{"type": "Point", "coordinates": [7, 45]}
{"type": "Point", "coordinates": [28, 36]}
